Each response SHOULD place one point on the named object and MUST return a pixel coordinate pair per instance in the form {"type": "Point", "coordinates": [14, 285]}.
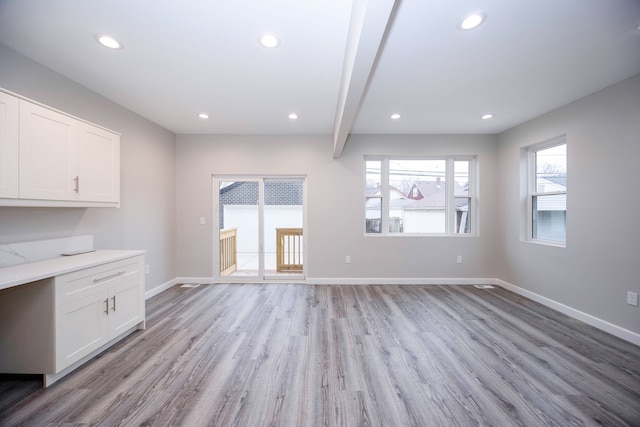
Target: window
{"type": "Point", "coordinates": [419, 196]}
{"type": "Point", "coordinates": [547, 198]}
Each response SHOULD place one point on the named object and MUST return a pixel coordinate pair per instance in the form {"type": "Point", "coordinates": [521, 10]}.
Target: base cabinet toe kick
{"type": "Point", "coordinates": [52, 326]}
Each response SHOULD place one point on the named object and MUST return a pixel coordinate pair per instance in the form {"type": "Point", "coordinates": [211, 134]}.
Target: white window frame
{"type": "Point", "coordinates": [450, 212]}
{"type": "Point", "coordinates": [532, 191]}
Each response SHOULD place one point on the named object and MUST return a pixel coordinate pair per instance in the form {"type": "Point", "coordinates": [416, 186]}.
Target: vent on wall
{"type": "Point", "coordinates": [483, 286]}
{"type": "Point", "coordinates": [190, 285]}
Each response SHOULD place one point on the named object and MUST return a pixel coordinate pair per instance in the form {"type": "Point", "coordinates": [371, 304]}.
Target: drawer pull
{"type": "Point", "coordinates": [102, 279]}
{"type": "Point", "coordinates": [114, 303]}
{"type": "Point", "coordinates": [106, 306]}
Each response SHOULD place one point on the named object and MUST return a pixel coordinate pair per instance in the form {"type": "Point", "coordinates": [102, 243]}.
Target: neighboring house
{"type": "Point", "coordinates": [422, 210]}
{"type": "Point", "coordinates": [427, 214]}
{"type": "Point", "coordinates": [425, 189]}
{"type": "Point", "coordinates": [374, 206]}
{"type": "Point", "coordinates": [245, 193]}
{"type": "Point", "coordinates": [283, 208]}
{"type": "Point", "coordinates": [550, 219]}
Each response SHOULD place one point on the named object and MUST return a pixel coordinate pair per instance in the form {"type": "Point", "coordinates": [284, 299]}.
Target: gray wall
{"type": "Point", "coordinates": [166, 188]}
{"type": "Point", "coordinates": [147, 216]}
{"type": "Point", "coordinates": [335, 201]}
{"type": "Point", "coordinates": [601, 261]}
{"type": "Point", "coordinates": [199, 157]}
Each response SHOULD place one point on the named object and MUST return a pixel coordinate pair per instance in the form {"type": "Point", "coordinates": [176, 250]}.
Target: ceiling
{"type": "Point", "coordinates": [343, 66]}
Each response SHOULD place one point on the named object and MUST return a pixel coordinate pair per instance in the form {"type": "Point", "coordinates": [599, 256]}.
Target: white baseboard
{"type": "Point", "coordinates": [403, 281]}
{"type": "Point", "coordinates": [596, 322]}
{"type": "Point", "coordinates": [171, 283]}
{"type": "Point", "coordinates": [198, 280]}
{"type": "Point", "coordinates": [338, 281]}
{"type": "Point", "coordinates": [161, 288]}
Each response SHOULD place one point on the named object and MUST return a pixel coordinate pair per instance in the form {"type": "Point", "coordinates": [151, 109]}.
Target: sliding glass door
{"type": "Point", "coordinates": [259, 234]}
{"type": "Point", "coordinates": [239, 223]}
{"type": "Point", "coordinates": [283, 230]}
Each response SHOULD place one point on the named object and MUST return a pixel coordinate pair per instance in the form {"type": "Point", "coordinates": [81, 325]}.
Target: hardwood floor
{"type": "Point", "coordinates": [298, 355]}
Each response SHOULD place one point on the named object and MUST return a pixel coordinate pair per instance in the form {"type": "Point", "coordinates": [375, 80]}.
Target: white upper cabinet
{"type": "Point", "coordinates": [8, 145]}
{"type": "Point", "coordinates": [48, 154]}
{"type": "Point", "coordinates": [98, 164]}
{"type": "Point", "coordinates": [49, 158]}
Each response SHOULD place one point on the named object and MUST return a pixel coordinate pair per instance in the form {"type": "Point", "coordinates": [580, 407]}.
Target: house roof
{"type": "Point", "coordinates": [342, 65]}
{"type": "Point", "coordinates": [426, 188]}
{"type": "Point", "coordinates": [433, 197]}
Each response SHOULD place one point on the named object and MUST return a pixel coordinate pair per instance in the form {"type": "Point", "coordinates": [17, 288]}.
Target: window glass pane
{"type": "Point", "coordinates": [373, 197]}
{"type": "Point", "coordinates": [463, 215]}
{"type": "Point", "coordinates": [417, 196]}
{"type": "Point", "coordinates": [373, 172]}
{"type": "Point", "coordinates": [421, 196]}
{"type": "Point", "coordinates": [283, 236]}
{"type": "Point", "coordinates": [549, 217]}
{"type": "Point", "coordinates": [551, 169]}
{"type": "Point", "coordinates": [461, 173]}
{"type": "Point", "coordinates": [239, 225]}
{"type": "Point", "coordinates": [373, 206]}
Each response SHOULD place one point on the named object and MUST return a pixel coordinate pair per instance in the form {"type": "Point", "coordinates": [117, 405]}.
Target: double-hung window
{"type": "Point", "coordinates": [547, 198]}
{"type": "Point", "coordinates": [432, 196]}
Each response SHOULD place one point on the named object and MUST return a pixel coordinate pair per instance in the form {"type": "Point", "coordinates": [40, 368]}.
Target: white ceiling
{"type": "Point", "coordinates": [341, 75]}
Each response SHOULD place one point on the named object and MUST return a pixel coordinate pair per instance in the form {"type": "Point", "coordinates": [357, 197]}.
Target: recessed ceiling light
{"type": "Point", "coordinates": [269, 40]}
{"type": "Point", "coordinates": [108, 41]}
{"type": "Point", "coordinates": [472, 21]}
{"type": "Point", "coordinates": [395, 116]}
{"type": "Point", "coordinates": [487, 116]}
{"type": "Point", "coordinates": [203, 115]}
{"type": "Point", "coordinates": [293, 116]}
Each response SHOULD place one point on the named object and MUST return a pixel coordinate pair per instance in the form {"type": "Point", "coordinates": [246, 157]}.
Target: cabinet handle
{"type": "Point", "coordinates": [102, 279]}
{"type": "Point", "coordinates": [77, 181]}
{"type": "Point", "coordinates": [114, 303]}
{"type": "Point", "coordinates": [106, 306]}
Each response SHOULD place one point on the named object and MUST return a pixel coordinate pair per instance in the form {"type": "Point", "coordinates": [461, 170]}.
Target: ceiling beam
{"type": "Point", "coordinates": [369, 20]}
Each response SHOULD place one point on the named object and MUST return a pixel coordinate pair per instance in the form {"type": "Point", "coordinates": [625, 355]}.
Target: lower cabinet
{"type": "Point", "coordinates": [96, 305]}
{"type": "Point", "coordinates": [85, 325]}
{"type": "Point", "coordinates": [89, 309]}
{"type": "Point", "coordinates": [82, 327]}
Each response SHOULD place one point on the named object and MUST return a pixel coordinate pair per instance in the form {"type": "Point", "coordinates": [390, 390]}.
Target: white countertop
{"type": "Point", "coordinates": [30, 272]}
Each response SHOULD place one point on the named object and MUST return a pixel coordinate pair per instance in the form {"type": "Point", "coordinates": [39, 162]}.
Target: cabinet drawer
{"type": "Point", "coordinates": [80, 284]}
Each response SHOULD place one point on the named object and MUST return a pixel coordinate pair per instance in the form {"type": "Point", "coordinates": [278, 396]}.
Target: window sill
{"type": "Point", "coordinates": [419, 235]}
{"type": "Point", "coordinates": [546, 243]}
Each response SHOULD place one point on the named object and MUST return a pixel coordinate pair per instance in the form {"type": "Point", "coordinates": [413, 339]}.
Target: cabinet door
{"type": "Point", "coordinates": [8, 146]}
{"type": "Point", "coordinates": [98, 164]}
{"type": "Point", "coordinates": [124, 307]}
{"type": "Point", "coordinates": [81, 327]}
{"type": "Point", "coordinates": [48, 154]}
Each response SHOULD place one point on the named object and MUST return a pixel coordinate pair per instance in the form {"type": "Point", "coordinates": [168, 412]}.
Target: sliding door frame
{"type": "Point", "coordinates": [261, 277]}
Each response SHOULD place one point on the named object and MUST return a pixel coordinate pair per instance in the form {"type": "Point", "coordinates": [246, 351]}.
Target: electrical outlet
{"type": "Point", "coordinates": [632, 298]}
{"type": "Point", "coordinates": [202, 221]}
{"type": "Point", "coordinates": [347, 259]}
{"type": "Point", "coordinates": [146, 269]}
{"type": "Point", "coordinates": [459, 259]}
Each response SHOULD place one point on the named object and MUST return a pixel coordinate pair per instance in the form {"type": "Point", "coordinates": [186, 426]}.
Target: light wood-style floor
{"type": "Point", "coordinates": [298, 355]}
